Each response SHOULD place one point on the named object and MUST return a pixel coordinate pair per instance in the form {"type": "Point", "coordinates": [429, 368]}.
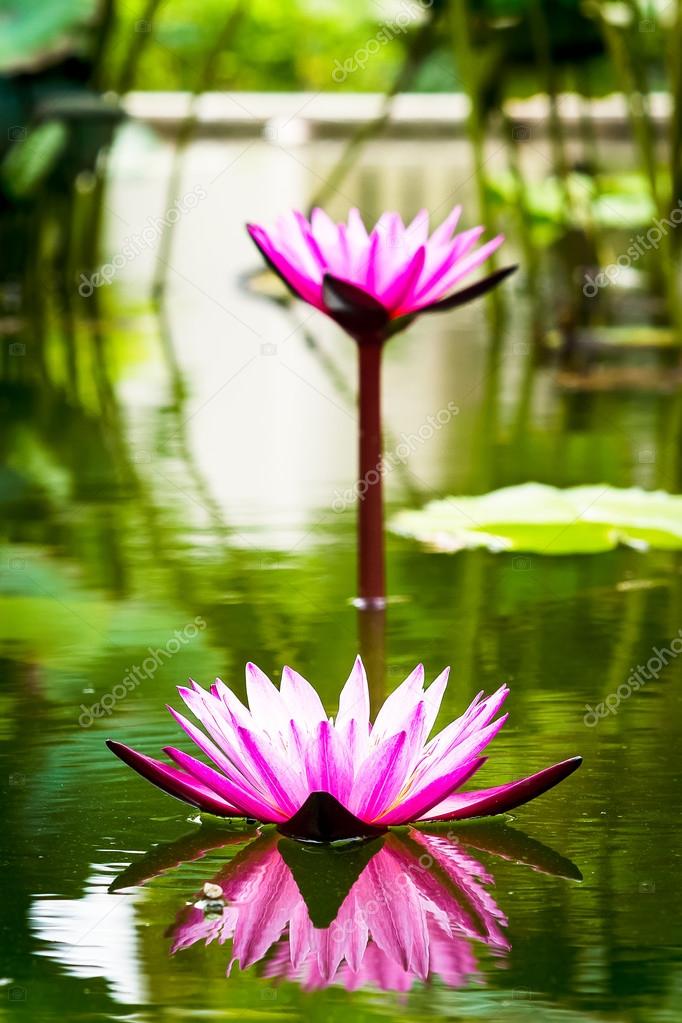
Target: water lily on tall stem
{"type": "Point", "coordinates": [283, 761]}
{"type": "Point", "coordinates": [374, 284]}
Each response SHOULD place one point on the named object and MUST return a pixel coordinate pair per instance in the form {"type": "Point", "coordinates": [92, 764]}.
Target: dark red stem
{"type": "Point", "coordinates": [371, 572]}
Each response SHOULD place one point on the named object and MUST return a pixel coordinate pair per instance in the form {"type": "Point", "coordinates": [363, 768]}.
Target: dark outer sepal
{"type": "Point", "coordinates": [323, 819]}
{"type": "Point", "coordinates": [353, 309]}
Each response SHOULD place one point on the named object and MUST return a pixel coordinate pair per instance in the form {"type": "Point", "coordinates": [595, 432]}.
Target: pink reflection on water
{"type": "Point", "coordinates": [417, 909]}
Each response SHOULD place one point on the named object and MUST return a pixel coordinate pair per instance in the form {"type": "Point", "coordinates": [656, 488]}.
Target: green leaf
{"type": "Point", "coordinates": [31, 159]}
{"type": "Point", "coordinates": [541, 519]}
{"type": "Point", "coordinates": [31, 32]}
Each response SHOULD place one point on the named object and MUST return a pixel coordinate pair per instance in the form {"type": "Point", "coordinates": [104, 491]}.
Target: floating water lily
{"type": "Point", "coordinates": [283, 761]}
{"type": "Point", "coordinates": [374, 285]}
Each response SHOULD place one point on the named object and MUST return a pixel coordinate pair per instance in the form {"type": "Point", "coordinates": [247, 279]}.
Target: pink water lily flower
{"type": "Point", "coordinates": [283, 761]}
{"type": "Point", "coordinates": [374, 283]}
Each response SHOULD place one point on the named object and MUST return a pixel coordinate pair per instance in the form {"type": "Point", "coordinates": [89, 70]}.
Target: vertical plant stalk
{"type": "Point", "coordinates": [103, 36]}
{"type": "Point", "coordinates": [460, 31]}
{"type": "Point", "coordinates": [542, 44]}
{"type": "Point", "coordinates": [633, 84]}
{"type": "Point", "coordinates": [371, 567]}
{"type": "Point", "coordinates": [372, 646]}
{"type": "Point", "coordinates": [138, 43]}
{"type": "Point", "coordinates": [675, 66]}
{"type": "Point", "coordinates": [205, 80]}
{"type": "Point", "coordinates": [470, 69]}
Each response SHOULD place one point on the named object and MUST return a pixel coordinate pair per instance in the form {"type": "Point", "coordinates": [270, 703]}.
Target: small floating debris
{"type": "Point", "coordinates": [212, 891]}
{"type": "Point", "coordinates": [213, 902]}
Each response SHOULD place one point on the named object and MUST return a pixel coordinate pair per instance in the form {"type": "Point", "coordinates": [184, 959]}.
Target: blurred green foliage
{"type": "Point", "coordinates": [32, 32]}
{"type": "Point", "coordinates": [275, 46]}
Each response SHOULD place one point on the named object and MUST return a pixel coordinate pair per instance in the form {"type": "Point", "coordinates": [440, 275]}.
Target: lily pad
{"type": "Point", "coordinates": [540, 519]}
{"type": "Point", "coordinates": [33, 33]}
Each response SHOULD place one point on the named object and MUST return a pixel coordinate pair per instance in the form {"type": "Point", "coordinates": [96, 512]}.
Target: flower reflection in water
{"type": "Point", "coordinates": [386, 913]}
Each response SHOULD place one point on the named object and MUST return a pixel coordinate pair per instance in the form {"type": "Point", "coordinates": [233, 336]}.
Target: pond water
{"type": "Point", "coordinates": [172, 505]}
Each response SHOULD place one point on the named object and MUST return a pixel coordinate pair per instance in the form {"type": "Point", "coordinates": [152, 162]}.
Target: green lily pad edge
{"type": "Point", "coordinates": [540, 519]}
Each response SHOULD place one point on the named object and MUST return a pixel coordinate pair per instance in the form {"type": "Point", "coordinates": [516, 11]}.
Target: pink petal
{"type": "Point", "coordinates": [279, 780]}
{"type": "Point", "coordinates": [231, 703]}
{"type": "Point", "coordinates": [326, 234]}
{"type": "Point", "coordinates": [397, 296]}
{"type": "Point", "coordinates": [431, 767]}
{"type": "Point", "coordinates": [398, 705]}
{"type": "Point", "coordinates": [328, 765]}
{"type": "Point", "coordinates": [215, 713]}
{"type": "Point", "coordinates": [485, 802]}
{"type": "Point", "coordinates": [250, 803]}
{"type": "Point", "coordinates": [418, 231]}
{"type": "Point", "coordinates": [265, 702]}
{"type": "Point", "coordinates": [375, 794]}
{"type": "Point", "coordinates": [219, 758]}
{"type": "Point", "coordinates": [175, 783]}
{"type": "Point", "coordinates": [288, 266]}
{"type": "Point", "coordinates": [221, 725]}
{"type": "Point", "coordinates": [424, 798]}
{"type": "Point", "coordinates": [292, 240]}
{"type": "Point", "coordinates": [440, 262]}
{"type": "Point", "coordinates": [357, 232]}
{"type": "Point", "coordinates": [433, 698]}
{"type": "Point", "coordinates": [358, 244]}
{"type": "Point", "coordinates": [367, 274]}
{"type": "Point", "coordinates": [301, 699]}
{"type": "Point", "coordinates": [356, 738]}
{"type": "Point", "coordinates": [377, 777]}
{"type": "Point", "coordinates": [443, 233]}
{"type": "Point", "coordinates": [460, 269]}
{"type": "Point", "coordinates": [354, 700]}
{"type": "Point", "coordinates": [395, 250]}
{"type": "Point", "coordinates": [477, 715]}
